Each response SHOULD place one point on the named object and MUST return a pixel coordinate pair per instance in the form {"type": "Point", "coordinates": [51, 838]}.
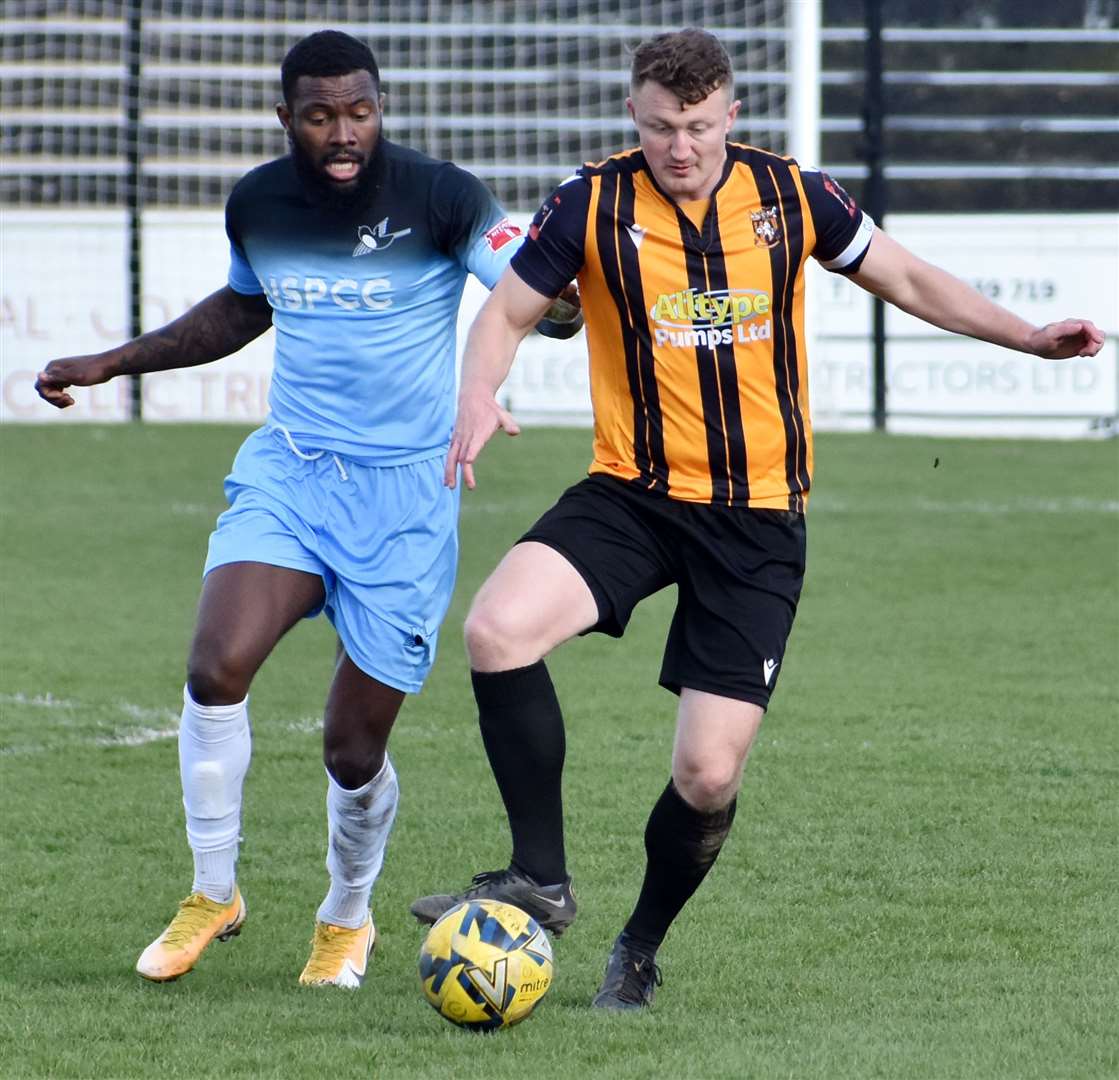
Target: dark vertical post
{"type": "Point", "coordinates": [874, 196]}
{"type": "Point", "coordinates": [134, 191]}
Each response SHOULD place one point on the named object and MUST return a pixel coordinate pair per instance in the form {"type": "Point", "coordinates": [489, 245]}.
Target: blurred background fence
{"type": "Point", "coordinates": [123, 126]}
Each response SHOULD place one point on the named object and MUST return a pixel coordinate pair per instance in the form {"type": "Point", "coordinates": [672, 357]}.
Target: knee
{"type": "Point", "coordinates": [493, 641]}
{"type": "Point", "coordinates": [707, 786]}
{"type": "Point", "coordinates": [352, 765]}
{"type": "Point", "coordinates": [217, 675]}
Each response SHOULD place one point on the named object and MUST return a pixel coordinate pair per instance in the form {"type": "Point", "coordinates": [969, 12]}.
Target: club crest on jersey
{"type": "Point", "coordinates": [376, 239]}
{"type": "Point", "coordinates": [767, 229]}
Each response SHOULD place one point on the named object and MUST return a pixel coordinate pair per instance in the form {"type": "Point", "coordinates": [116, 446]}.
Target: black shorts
{"type": "Point", "coordinates": [739, 573]}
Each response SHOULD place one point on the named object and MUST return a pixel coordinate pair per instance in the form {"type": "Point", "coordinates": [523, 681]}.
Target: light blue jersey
{"type": "Point", "coordinates": [345, 480]}
{"type": "Point", "coordinates": [365, 303]}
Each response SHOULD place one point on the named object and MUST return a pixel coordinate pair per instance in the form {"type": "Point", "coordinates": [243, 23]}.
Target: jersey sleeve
{"type": "Point", "coordinates": [843, 231]}
{"type": "Point", "coordinates": [553, 252]}
{"type": "Point", "coordinates": [469, 225]}
{"type": "Point", "coordinates": [242, 278]}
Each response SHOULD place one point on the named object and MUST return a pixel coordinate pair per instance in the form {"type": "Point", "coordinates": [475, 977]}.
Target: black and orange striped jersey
{"type": "Point", "coordinates": [699, 379]}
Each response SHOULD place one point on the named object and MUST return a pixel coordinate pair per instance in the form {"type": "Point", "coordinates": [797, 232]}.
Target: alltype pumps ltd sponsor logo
{"type": "Point", "coordinates": [691, 319]}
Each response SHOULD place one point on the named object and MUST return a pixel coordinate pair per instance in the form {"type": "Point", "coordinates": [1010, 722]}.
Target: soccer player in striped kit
{"type": "Point", "coordinates": [689, 253]}
{"type": "Point", "coordinates": [356, 250]}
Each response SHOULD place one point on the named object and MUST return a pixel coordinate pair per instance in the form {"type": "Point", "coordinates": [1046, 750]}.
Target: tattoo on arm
{"type": "Point", "coordinates": [215, 327]}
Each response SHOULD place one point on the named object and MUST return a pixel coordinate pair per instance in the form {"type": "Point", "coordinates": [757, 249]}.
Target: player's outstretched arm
{"type": "Point", "coordinates": [215, 327]}
{"type": "Point", "coordinates": [921, 289]}
{"type": "Point", "coordinates": [508, 314]}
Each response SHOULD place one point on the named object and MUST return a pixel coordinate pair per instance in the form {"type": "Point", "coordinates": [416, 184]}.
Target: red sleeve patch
{"type": "Point", "coordinates": [501, 234]}
{"type": "Point", "coordinates": [845, 200]}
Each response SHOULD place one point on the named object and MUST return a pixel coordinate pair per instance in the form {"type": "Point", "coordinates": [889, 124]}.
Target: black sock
{"type": "Point", "coordinates": [522, 730]}
{"type": "Point", "coordinates": [681, 845]}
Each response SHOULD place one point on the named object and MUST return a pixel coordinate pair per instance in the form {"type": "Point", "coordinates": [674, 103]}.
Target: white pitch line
{"type": "Point", "coordinates": [1023, 506]}
{"type": "Point", "coordinates": [824, 503]}
{"type": "Point", "coordinates": [139, 712]}
{"type": "Point", "coordinates": [157, 725]}
{"type": "Point", "coordinates": [22, 751]}
{"type": "Point", "coordinates": [120, 736]}
{"type": "Point", "coordinates": [306, 725]}
{"type": "Point", "coordinates": [38, 701]}
{"type": "Point", "coordinates": [140, 737]}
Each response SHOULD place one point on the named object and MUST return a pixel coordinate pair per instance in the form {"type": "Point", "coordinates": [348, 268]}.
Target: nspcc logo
{"type": "Point", "coordinates": [303, 294]}
{"type": "Point", "coordinates": [691, 318]}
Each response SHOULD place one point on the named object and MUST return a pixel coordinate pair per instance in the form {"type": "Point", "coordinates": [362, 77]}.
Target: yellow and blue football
{"type": "Point", "coordinates": [485, 965]}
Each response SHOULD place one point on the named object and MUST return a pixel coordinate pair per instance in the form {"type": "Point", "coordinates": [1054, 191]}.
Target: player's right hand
{"type": "Point", "coordinates": [479, 416]}
{"type": "Point", "coordinates": [52, 381]}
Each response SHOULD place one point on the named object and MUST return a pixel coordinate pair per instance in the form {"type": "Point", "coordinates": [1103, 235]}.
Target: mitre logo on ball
{"type": "Point", "coordinates": [485, 965]}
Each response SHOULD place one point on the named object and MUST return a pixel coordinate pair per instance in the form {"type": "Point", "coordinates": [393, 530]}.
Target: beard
{"type": "Point", "coordinates": [324, 192]}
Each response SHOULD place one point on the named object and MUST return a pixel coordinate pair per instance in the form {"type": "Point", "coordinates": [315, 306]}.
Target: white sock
{"type": "Point", "coordinates": [214, 749]}
{"type": "Point", "coordinates": [359, 823]}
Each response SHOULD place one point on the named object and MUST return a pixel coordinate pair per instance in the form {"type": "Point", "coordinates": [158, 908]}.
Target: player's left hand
{"type": "Point", "coordinates": [479, 417]}
{"type": "Point", "coordinates": [1065, 339]}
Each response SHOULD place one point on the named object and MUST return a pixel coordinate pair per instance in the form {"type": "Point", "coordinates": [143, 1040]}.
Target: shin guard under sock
{"type": "Point", "coordinates": [522, 730]}
{"type": "Point", "coordinates": [681, 845]}
{"type": "Point", "coordinates": [215, 745]}
{"type": "Point", "coordinates": [358, 822]}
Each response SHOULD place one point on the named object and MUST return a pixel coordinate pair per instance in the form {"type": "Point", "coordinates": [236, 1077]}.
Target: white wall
{"type": "Point", "coordinates": [63, 292]}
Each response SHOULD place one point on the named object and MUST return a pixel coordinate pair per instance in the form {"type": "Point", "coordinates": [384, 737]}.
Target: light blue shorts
{"type": "Point", "coordinates": [383, 539]}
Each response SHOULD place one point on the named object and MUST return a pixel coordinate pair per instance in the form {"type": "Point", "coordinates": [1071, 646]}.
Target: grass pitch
{"type": "Point", "coordinates": [923, 877]}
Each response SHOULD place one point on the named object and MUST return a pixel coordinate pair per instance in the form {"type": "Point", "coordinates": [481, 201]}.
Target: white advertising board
{"type": "Point", "coordinates": [1043, 268]}
{"type": "Point", "coordinates": [63, 292]}
{"type": "Point", "coordinates": [64, 287]}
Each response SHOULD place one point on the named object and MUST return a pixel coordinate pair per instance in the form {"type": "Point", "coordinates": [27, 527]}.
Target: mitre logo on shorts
{"type": "Point", "coordinates": [691, 319]}
{"type": "Point", "coordinates": [501, 234]}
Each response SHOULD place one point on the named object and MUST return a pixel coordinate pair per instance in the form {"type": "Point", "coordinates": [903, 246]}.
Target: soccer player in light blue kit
{"type": "Point", "coordinates": [357, 251]}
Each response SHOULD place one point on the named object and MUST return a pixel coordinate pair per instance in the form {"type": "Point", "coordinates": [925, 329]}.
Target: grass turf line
{"type": "Point", "coordinates": [921, 881]}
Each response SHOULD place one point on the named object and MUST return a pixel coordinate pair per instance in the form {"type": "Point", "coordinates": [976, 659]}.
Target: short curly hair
{"type": "Point", "coordinates": [323, 55]}
{"type": "Point", "coordinates": [691, 63]}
